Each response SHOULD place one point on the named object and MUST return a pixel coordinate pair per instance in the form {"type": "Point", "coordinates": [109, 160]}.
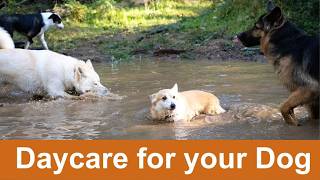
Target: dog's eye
{"type": "Point", "coordinates": [174, 97]}
{"type": "Point", "coordinates": [164, 98]}
{"type": "Point", "coordinates": [96, 84]}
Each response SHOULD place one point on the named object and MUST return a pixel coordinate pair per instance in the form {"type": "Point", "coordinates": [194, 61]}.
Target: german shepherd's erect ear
{"type": "Point", "coordinates": [273, 19]}
{"type": "Point", "coordinates": [270, 6]}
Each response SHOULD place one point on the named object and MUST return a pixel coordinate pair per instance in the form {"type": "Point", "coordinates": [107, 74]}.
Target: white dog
{"type": "Point", "coordinates": [43, 72]}
{"type": "Point", "coordinates": [171, 105]}
{"type": "Point", "coordinates": [5, 40]}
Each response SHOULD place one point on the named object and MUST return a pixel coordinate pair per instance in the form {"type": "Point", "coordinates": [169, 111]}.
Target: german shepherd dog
{"type": "Point", "coordinates": [295, 57]}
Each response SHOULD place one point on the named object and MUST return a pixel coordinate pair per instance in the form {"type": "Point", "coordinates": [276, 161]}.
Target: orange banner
{"type": "Point", "coordinates": [159, 159]}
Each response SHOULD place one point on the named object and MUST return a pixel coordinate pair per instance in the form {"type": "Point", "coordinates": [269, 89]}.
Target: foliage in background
{"type": "Point", "coordinates": [117, 15]}
{"type": "Point", "coordinates": [115, 25]}
{"type": "Point", "coordinates": [239, 14]}
{"type": "Point", "coordinates": [230, 16]}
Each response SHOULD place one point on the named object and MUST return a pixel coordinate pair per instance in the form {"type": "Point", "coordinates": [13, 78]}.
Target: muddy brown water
{"type": "Point", "coordinates": [249, 91]}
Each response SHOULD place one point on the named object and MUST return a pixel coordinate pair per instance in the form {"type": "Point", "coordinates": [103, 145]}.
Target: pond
{"type": "Point", "coordinates": [249, 91]}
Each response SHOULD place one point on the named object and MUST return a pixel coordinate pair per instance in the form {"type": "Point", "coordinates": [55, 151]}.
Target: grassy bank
{"type": "Point", "coordinates": [117, 30]}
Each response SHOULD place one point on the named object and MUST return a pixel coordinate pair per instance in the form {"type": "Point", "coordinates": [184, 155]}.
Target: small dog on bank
{"type": "Point", "coordinates": [46, 73]}
{"type": "Point", "coordinates": [295, 57]}
{"type": "Point", "coordinates": [171, 105]}
{"type": "Point", "coordinates": [31, 25]}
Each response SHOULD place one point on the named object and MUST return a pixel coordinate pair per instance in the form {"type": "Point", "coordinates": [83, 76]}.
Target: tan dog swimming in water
{"type": "Point", "coordinates": [171, 105]}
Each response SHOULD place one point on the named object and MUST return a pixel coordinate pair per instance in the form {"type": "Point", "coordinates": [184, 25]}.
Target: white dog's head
{"type": "Point", "coordinates": [87, 80]}
{"type": "Point", "coordinates": [163, 103]}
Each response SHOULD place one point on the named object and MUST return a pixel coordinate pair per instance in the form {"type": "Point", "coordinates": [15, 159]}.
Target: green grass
{"type": "Point", "coordinates": [123, 25]}
{"type": "Point", "coordinates": [116, 26]}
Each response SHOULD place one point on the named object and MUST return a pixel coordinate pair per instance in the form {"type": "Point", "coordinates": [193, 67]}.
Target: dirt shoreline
{"type": "Point", "coordinates": [215, 50]}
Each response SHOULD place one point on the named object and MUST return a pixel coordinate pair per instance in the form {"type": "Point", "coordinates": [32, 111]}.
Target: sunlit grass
{"type": "Point", "coordinates": [136, 17]}
{"type": "Point", "coordinates": [115, 27]}
{"type": "Point", "coordinates": [128, 21]}
{"type": "Point", "coordinates": [189, 24]}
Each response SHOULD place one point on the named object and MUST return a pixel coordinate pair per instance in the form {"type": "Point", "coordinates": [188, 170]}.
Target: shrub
{"type": "Point", "coordinates": [239, 14]}
{"type": "Point", "coordinates": [76, 11]}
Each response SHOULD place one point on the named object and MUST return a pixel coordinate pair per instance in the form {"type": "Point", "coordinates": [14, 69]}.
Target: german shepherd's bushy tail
{"type": "Point", "coordinates": [6, 41]}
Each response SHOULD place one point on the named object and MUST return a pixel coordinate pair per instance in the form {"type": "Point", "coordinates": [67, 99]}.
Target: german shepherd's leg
{"type": "Point", "coordinates": [299, 97]}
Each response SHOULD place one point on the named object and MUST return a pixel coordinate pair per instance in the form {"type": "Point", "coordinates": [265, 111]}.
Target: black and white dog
{"type": "Point", "coordinates": [31, 25]}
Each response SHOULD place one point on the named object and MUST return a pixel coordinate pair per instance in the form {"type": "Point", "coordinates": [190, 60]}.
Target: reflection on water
{"type": "Point", "coordinates": [250, 92]}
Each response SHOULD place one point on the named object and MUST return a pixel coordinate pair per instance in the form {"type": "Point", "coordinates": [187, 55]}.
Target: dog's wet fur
{"type": "Point", "coordinates": [295, 57]}
{"type": "Point", "coordinates": [171, 105]}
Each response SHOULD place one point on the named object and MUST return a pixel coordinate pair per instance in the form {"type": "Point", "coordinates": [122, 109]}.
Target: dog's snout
{"type": "Point", "coordinates": [102, 91]}
{"type": "Point", "coordinates": [105, 91]}
{"type": "Point", "coordinates": [172, 106]}
{"type": "Point", "coordinates": [236, 39]}
{"type": "Point", "coordinates": [241, 34]}
{"type": "Point", "coordinates": [60, 26]}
